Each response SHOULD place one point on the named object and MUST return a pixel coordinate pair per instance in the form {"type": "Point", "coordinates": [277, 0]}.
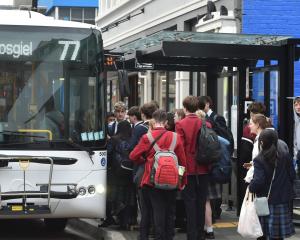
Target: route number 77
{"type": "Point", "coordinates": [66, 49]}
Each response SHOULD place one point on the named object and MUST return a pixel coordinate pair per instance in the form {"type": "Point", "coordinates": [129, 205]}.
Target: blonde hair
{"type": "Point", "coordinates": [119, 106]}
{"type": "Point", "coordinates": [201, 114]}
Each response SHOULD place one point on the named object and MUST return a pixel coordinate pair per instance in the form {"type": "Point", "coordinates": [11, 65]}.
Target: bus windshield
{"type": "Point", "coordinates": [51, 85]}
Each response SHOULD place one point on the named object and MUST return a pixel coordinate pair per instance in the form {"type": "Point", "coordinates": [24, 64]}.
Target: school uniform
{"type": "Point", "coordinates": [195, 193]}
{"type": "Point", "coordinates": [279, 223]}
{"type": "Point", "coordinates": [162, 201]}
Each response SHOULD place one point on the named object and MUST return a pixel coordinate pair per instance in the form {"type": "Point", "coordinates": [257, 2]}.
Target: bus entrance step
{"type": "Point", "coordinates": [22, 210]}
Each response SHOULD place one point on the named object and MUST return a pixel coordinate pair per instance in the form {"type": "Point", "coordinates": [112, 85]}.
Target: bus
{"type": "Point", "coordinates": [52, 119]}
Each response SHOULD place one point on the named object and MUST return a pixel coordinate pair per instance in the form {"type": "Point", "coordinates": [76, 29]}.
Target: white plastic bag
{"type": "Point", "coordinates": [249, 225]}
{"type": "Point", "coordinates": [249, 175]}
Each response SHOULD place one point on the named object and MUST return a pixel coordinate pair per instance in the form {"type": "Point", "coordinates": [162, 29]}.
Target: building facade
{"type": "Point", "coordinates": [271, 17]}
{"type": "Point", "coordinates": [71, 10]}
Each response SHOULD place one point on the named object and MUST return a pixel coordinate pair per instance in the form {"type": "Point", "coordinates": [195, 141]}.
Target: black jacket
{"type": "Point", "coordinates": [137, 132]}
{"type": "Point", "coordinates": [282, 187]}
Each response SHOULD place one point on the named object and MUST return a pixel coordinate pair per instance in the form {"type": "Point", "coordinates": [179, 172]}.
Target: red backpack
{"type": "Point", "coordinates": [164, 173]}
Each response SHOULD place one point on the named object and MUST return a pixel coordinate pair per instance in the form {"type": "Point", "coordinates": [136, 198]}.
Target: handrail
{"type": "Point", "coordinates": [38, 131]}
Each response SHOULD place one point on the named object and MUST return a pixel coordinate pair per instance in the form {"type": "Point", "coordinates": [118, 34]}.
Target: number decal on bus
{"type": "Point", "coordinates": [66, 49]}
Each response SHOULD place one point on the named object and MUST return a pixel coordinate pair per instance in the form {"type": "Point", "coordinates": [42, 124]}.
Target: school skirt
{"type": "Point", "coordinates": [214, 191]}
{"type": "Point", "coordinates": [279, 223]}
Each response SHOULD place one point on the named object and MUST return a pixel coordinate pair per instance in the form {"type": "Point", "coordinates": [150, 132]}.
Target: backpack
{"type": "Point", "coordinates": [208, 149]}
{"type": "Point", "coordinates": [223, 131]}
{"type": "Point", "coordinates": [221, 171]}
{"type": "Point", "coordinates": [164, 173]}
{"type": "Point", "coordinates": [121, 164]}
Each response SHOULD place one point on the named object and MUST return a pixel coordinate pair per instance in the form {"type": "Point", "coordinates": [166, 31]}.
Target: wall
{"type": "Point", "coordinates": [158, 15]}
{"type": "Point", "coordinates": [273, 17]}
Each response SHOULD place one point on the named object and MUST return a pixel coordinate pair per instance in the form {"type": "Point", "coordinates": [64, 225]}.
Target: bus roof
{"type": "Point", "coordinates": [30, 18]}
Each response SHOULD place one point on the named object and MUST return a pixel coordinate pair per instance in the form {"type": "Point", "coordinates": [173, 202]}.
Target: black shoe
{"type": "Point", "coordinates": [209, 235]}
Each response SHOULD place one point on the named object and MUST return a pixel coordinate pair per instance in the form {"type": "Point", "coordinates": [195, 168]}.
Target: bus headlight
{"type": "Point", "coordinates": [91, 189]}
{"type": "Point", "coordinates": [100, 189]}
{"type": "Point", "coordinates": [82, 191]}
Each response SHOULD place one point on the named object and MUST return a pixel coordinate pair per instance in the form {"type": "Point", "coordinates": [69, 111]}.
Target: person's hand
{"type": "Point", "coordinates": [247, 165]}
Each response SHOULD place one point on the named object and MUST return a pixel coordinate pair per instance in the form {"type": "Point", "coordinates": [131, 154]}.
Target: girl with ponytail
{"type": "Point", "coordinates": [274, 160]}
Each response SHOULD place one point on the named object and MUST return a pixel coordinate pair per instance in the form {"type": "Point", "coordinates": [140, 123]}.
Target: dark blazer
{"type": "Point", "coordinates": [138, 131]}
{"type": "Point", "coordinates": [282, 187]}
{"type": "Point", "coordinates": [218, 119]}
{"type": "Point", "coordinates": [187, 129]}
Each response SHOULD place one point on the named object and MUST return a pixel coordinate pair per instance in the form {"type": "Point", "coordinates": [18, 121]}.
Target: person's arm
{"type": "Point", "coordinates": [180, 132]}
{"type": "Point", "coordinates": [179, 150]}
{"type": "Point", "coordinates": [138, 132]}
{"type": "Point", "coordinates": [259, 178]}
{"type": "Point", "coordinates": [136, 154]}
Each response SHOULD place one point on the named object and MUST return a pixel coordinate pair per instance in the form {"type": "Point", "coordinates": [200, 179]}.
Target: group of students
{"type": "Point", "coordinates": [131, 146]}
{"type": "Point", "coordinates": [269, 170]}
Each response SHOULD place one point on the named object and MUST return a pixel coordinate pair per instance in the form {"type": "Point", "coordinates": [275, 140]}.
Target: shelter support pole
{"type": "Point", "coordinates": [167, 91]}
{"type": "Point", "coordinates": [240, 117]}
{"type": "Point", "coordinates": [212, 87]}
{"type": "Point", "coordinates": [133, 97]}
{"type": "Point", "coordinates": [286, 89]}
{"type": "Point", "coordinates": [267, 88]}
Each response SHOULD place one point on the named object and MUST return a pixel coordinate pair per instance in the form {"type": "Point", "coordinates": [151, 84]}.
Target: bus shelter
{"type": "Point", "coordinates": [211, 53]}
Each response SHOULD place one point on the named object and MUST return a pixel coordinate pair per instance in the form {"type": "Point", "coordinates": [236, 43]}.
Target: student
{"type": "Point", "coordinates": [297, 133]}
{"type": "Point", "coordinates": [246, 148]}
{"type": "Point", "coordinates": [162, 201]}
{"type": "Point", "coordinates": [195, 192]}
{"type": "Point", "coordinates": [122, 189]}
{"type": "Point", "coordinates": [120, 114]}
{"type": "Point", "coordinates": [274, 160]}
{"type": "Point", "coordinates": [143, 196]}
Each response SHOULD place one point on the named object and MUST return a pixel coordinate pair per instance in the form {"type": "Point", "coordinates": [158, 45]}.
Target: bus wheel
{"type": "Point", "coordinates": [55, 224]}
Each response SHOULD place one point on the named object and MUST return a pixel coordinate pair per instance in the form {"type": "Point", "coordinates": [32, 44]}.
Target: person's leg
{"type": "Point", "coordinates": [202, 188]}
{"type": "Point", "coordinates": [208, 221]}
{"type": "Point", "coordinates": [145, 213]}
{"type": "Point", "coordinates": [170, 215]}
{"type": "Point", "coordinates": [158, 202]}
{"type": "Point", "coordinates": [192, 208]}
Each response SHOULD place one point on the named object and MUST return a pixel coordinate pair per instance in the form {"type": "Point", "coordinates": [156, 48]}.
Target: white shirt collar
{"type": "Point", "coordinates": [209, 112]}
{"type": "Point", "coordinates": [137, 123]}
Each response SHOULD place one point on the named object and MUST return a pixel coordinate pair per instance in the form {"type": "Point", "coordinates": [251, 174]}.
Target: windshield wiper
{"type": "Point", "coordinates": [89, 151]}
{"type": "Point", "coordinates": [16, 133]}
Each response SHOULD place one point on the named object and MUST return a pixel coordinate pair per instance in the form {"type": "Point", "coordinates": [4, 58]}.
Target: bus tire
{"type": "Point", "coordinates": [55, 224]}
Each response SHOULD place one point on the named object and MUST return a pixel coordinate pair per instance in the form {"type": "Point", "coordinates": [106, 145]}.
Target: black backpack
{"type": "Point", "coordinates": [223, 131]}
{"type": "Point", "coordinates": [208, 148]}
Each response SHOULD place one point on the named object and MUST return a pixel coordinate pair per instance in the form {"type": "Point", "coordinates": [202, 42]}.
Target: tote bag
{"type": "Point", "coordinates": [249, 225]}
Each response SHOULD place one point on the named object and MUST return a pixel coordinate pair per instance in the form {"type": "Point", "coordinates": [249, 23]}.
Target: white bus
{"type": "Point", "coordinates": [52, 119]}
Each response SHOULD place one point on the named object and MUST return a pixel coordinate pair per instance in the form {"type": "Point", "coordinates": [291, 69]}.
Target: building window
{"type": "Point", "coordinates": [89, 15]}
{"type": "Point", "coordinates": [76, 14]}
{"type": "Point", "coordinates": [64, 14]}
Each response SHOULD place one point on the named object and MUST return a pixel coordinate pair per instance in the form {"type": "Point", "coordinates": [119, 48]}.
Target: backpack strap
{"type": "Point", "coordinates": [153, 141]}
{"type": "Point", "coordinates": [174, 140]}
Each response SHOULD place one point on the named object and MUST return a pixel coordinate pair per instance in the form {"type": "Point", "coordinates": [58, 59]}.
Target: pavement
{"type": "Point", "coordinates": [224, 229]}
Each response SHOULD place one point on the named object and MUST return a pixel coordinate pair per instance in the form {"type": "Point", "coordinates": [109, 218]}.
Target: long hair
{"type": "Point", "coordinates": [124, 130]}
{"type": "Point", "coordinates": [262, 121]}
{"type": "Point", "coordinates": [267, 143]}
